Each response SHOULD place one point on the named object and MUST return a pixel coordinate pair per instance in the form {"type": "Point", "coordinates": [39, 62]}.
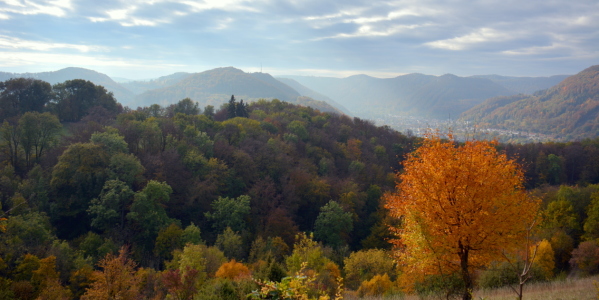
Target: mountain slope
{"type": "Point", "coordinates": [216, 86]}
{"type": "Point", "coordinates": [138, 87]}
{"type": "Point", "coordinates": [304, 91]}
{"type": "Point", "coordinates": [122, 94]}
{"type": "Point", "coordinates": [524, 85]}
{"type": "Point", "coordinates": [411, 94]}
{"type": "Point", "coordinates": [568, 110]}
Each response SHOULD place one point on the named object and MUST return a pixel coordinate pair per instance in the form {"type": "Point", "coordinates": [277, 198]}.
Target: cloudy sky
{"type": "Point", "coordinates": [145, 39]}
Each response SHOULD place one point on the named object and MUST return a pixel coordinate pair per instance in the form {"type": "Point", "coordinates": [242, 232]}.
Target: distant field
{"type": "Point", "coordinates": [569, 289]}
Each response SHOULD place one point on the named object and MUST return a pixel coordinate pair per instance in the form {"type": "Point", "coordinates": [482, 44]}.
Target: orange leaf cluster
{"type": "Point", "coordinates": [233, 270]}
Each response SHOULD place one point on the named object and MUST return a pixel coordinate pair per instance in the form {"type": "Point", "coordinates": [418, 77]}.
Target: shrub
{"type": "Point", "coordinates": [585, 258]}
{"type": "Point", "coordinates": [377, 286]}
{"type": "Point", "coordinates": [365, 264]}
{"type": "Point", "coordinates": [441, 286]}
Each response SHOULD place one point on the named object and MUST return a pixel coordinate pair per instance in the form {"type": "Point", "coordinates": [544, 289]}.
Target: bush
{"type": "Point", "coordinates": [585, 258]}
{"type": "Point", "coordinates": [377, 286]}
{"type": "Point", "coordinates": [365, 264]}
{"type": "Point", "coordinates": [441, 286]}
{"type": "Point", "coordinates": [502, 274]}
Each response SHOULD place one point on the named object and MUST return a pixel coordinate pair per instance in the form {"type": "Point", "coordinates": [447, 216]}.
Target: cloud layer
{"type": "Point", "coordinates": [141, 39]}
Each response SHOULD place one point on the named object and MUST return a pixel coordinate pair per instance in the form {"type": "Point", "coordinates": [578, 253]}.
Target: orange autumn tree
{"type": "Point", "coordinates": [460, 206]}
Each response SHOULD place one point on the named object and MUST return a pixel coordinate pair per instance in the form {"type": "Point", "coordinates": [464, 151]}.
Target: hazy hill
{"type": "Point", "coordinates": [304, 91]}
{"type": "Point", "coordinates": [568, 110]}
{"type": "Point", "coordinates": [122, 94]}
{"type": "Point", "coordinates": [139, 86]}
{"type": "Point", "coordinates": [216, 86]}
{"type": "Point", "coordinates": [412, 94]}
{"type": "Point", "coordinates": [524, 85]}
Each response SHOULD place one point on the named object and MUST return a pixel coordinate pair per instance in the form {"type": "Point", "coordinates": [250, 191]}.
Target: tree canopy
{"type": "Point", "coordinates": [460, 205]}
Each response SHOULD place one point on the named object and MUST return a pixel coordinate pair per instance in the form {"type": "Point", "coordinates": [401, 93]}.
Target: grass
{"type": "Point", "coordinates": [575, 289]}
{"type": "Point", "coordinates": [567, 289]}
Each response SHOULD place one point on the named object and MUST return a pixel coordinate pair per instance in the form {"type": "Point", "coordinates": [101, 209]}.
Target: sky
{"type": "Point", "coordinates": [147, 39]}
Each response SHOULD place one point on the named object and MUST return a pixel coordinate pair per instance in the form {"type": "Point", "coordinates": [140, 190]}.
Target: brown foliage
{"type": "Point", "coordinates": [117, 279]}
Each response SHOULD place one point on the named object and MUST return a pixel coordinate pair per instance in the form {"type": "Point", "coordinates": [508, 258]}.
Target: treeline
{"type": "Point", "coordinates": [188, 201]}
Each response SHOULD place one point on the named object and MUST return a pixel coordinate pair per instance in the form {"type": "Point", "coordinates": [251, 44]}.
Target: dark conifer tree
{"type": "Point", "coordinates": [241, 109]}
{"type": "Point", "coordinates": [232, 108]}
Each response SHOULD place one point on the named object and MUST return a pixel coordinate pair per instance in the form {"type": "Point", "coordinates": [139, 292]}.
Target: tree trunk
{"type": "Point", "coordinates": [466, 277]}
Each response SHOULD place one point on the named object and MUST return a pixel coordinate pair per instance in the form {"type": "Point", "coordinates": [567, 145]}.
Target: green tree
{"type": "Point", "coordinates": [333, 224]}
{"type": "Point", "coordinates": [187, 107]}
{"type": "Point", "coordinates": [209, 111]}
{"type": "Point", "coordinates": [11, 141]}
{"type": "Point", "coordinates": [168, 239]}
{"type": "Point", "coordinates": [109, 209]}
{"type": "Point", "coordinates": [192, 235]}
{"type": "Point", "coordinates": [75, 97]}
{"type": "Point", "coordinates": [591, 224]}
{"type": "Point", "coordinates": [298, 128]}
{"type": "Point", "coordinates": [147, 211]}
{"type": "Point", "coordinates": [20, 95]}
{"type": "Point", "coordinates": [156, 111]}
{"type": "Point", "coordinates": [229, 212]}
{"type": "Point", "coordinates": [231, 244]}
{"type": "Point", "coordinates": [126, 168]}
{"type": "Point", "coordinates": [306, 251]}
{"type": "Point", "coordinates": [111, 142]}
{"type": "Point", "coordinates": [560, 214]}
{"type": "Point", "coordinates": [241, 109]}
{"type": "Point", "coordinates": [78, 177]}
{"type": "Point", "coordinates": [232, 108]}
{"type": "Point", "coordinates": [39, 132]}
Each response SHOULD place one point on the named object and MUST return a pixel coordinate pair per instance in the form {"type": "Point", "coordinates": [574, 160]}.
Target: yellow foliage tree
{"type": "Point", "coordinates": [233, 270]}
{"type": "Point", "coordinates": [460, 206]}
{"type": "Point", "coordinates": [545, 259]}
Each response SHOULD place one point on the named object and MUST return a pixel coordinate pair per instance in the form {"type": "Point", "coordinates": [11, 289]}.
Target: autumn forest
{"type": "Point", "coordinates": [273, 200]}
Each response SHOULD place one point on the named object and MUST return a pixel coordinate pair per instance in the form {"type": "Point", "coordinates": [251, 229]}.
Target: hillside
{"type": "Point", "coordinates": [524, 85]}
{"type": "Point", "coordinates": [215, 87]}
{"type": "Point", "coordinates": [569, 110]}
{"type": "Point", "coordinates": [138, 87]}
{"type": "Point", "coordinates": [413, 94]}
{"type": "Point", "coordinates": [304, 91]}
{"type": "Point", "coordinates": [122, 94]}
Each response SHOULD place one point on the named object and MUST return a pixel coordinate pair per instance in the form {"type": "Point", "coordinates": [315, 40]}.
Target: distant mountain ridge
{"type": "Point", "coordinates": [569, 110]}
{"type": "Point", "coordinates": [215, 87]}
{"type": "Point", "coordinates": [138, 87]}
{"type": "Point", "coordinates": [411, 94]}
{"type": "Point", "coordinates": [524, 85]}
{"type": "Point", "coordinates": [418, 95]}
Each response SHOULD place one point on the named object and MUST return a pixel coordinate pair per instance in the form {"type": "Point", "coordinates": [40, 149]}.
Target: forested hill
{"type": "Point", "coordinates": [413, 94]}
{"type": "Point", "coordinates": [569, 110]}
{"type": "Point", "coordinates": [215, 86]}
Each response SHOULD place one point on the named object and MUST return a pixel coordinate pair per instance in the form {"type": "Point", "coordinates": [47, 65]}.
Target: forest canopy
{"type": "Point", "coordinates": [185, 201]}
